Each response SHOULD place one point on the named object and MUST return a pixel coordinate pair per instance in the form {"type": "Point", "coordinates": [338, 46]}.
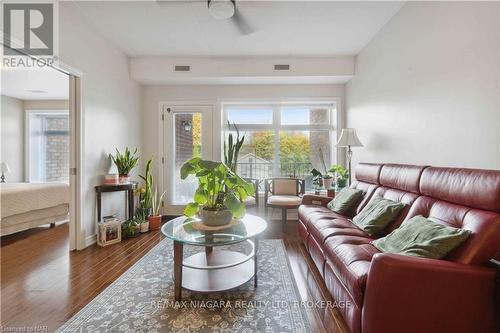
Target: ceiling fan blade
{"type": "Point", "coordinates": [241, 23]}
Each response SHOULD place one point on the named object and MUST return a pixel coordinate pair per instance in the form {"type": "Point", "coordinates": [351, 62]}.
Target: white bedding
{"type": "Point", "coordinates": [19, 198]}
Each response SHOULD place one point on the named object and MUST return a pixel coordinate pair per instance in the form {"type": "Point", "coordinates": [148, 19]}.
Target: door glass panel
{"type": "Point", "coordinates": [187, 144]}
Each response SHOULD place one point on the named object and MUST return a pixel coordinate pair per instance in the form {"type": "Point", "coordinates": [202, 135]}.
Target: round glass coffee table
{"type": "Point", "coordinates": [213, 269]}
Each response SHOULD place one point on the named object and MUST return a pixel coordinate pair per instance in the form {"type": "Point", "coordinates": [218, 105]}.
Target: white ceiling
{"type": "Point", "coordinates": [34, 84]}
{"type": "Point", "coordinates": [296, 28]}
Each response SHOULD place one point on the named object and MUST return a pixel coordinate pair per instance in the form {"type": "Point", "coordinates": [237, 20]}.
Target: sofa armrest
{"type": "Point", "coordinates": [427, 295]}
{"type": "Point", "coordinates": [310, 199]}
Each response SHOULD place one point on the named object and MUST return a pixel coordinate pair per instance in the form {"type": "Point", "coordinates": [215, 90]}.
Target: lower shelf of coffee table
{"type": "Point", "coordinates": [212, 280]}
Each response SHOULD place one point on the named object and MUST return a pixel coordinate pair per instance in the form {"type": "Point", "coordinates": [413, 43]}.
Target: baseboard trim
{"type": "Point", "coordinates": [90, 240]}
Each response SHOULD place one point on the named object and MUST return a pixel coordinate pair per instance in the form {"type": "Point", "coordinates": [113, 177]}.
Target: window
{"type": "Point", "coordinates": [283, 140]}
{"type": "Point", "coordinates": [48, 146]}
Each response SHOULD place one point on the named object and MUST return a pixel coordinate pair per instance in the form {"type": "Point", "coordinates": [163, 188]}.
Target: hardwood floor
{"type": "Point", "coordinates": [43, 285]}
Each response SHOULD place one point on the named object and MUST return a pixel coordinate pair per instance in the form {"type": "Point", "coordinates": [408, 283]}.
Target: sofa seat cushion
{"type": "Point", "coordinates": [308, 213]}
{"type": "Point", "coordinates": [324, 228]}
{"type": "Point", "coordinates": [350, 264]}
{"type": "Point", "coordinates": [284, 200]}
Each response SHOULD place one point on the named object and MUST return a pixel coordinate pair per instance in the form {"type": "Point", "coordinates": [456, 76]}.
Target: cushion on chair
{"type": "Point", "coordinates": [249, 201]}
{"type": "Point", "coordinates": [285, 187]}
{"type": "Point", "coordinates": [284, 200]}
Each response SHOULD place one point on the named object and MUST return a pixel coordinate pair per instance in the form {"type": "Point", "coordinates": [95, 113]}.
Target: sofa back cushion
{"type": "Point", "coordinates": [399, 183]}
{"type": "Point", "coordinates": [367, 180]}
{"type": "Point", "coordinates": [402, 177]}
{"type": "Point", "coordinates": [473, 188]}
{"type": "Point", "coordinates": [463, 198]}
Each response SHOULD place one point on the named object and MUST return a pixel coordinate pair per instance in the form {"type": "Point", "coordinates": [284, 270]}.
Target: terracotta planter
{"type": "Point", "coordinates": [124, 179]}
{"type": "Point", "coordinates": [154, 222]}
{"type": "Point", "coordinates": [215, 217]}
{"type": "Point", "coordinates": [145, 226]}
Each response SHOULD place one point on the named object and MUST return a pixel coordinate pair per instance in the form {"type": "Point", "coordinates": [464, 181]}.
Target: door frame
{"type": "Point", "coordinates": [77, 163]}
{"type": "Point", "coordinates": [164, 151]}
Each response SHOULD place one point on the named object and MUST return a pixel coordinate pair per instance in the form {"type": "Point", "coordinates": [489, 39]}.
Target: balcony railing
{"type": "Point", "coordinates": [260, 170]}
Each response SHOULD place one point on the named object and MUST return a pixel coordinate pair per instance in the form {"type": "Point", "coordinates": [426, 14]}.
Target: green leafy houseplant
{"type": "Point", "coordinates": [232, 148]}
{"type": "Point", "coordinates": [125, 162]}
{"type": "Point", "coordinates": [342, 175]}
{"type": "Point", "coordinates": [130, 228]}
{"type": "Point", "coordinates": [146, 192]}
{"type": "Point", "coordinates": [215, 181]}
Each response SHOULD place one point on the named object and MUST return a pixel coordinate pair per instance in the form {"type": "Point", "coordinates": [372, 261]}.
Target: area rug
{"type": "Point", "coordinates": [142, 300]}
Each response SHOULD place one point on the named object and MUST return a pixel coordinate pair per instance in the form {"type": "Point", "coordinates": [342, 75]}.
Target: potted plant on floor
{"type": "Point", "coordinates": [125, 163]}
{"type": "Point", "coordinates": [155, 217]}
{"type": "Point", "coordinates": [341, 176]}
{"type": "Point", "coordinates": [220, 194]}
{"type": "Point", "coordinates": [145, 208]}
{"type": "Point", "coordinates": [130, 228]}
{"type": "Point", "coordinates": [142, 219]}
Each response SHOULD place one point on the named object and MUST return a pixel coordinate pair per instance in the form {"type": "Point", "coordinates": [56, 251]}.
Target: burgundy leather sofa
{"type": "Point", "coordinates": [387, 293]}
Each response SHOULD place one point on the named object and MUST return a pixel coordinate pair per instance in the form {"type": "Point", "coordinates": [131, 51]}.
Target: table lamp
{"type": "Point", "coordinates": [348, 138]}
{"type": "Point", "coordinates": [4, 168]}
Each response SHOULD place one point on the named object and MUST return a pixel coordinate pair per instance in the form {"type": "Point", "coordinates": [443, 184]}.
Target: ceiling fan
{"type": "Point", "coordinates": [226, 10]}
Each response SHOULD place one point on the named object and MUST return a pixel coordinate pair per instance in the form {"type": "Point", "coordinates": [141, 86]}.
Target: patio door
{"type": "Point", "coordinates": [187, 133]}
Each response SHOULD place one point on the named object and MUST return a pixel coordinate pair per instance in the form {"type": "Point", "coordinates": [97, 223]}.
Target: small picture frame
{"type": "Point", "coordinates": [109, 232]}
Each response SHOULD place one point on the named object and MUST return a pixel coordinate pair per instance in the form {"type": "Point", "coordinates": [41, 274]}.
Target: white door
{"type": "Point", "coordinates": [187, 133]}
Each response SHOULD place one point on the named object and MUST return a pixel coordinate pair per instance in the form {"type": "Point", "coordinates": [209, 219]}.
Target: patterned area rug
{"type": "Point", "coordinates": [141, 300]}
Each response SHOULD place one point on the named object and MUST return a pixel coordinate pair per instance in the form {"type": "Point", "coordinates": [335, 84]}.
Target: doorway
{"type": "Point", "coordinates": [186, 133]}
{"type": "Point", "coordinates": [41, 134]}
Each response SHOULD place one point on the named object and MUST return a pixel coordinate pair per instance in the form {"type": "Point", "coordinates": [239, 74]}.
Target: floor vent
{"type": "Point", "coordinates": [281, 67]}
{"type": "Point", "coordinates": [182, 68]}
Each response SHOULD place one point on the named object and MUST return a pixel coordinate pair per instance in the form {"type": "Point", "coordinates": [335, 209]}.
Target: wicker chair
{"type": "Point", "coordinates": [284, 194]}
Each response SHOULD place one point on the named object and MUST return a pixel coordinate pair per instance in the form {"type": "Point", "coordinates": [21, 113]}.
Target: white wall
{"type": "Point", "coordinates": [153, 95]}
{"type": "Point", "coordinates": [112, 115]}
{"type": "Point", "coordinates": [426, 88]}
{"type": "Point", "coordinates": [12, 119]}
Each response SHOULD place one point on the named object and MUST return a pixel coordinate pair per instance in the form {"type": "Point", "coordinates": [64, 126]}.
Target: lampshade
{"type": "Point", "coordinates": [348, 137]}
{"type": "Point", "coordinates": [4, 167]}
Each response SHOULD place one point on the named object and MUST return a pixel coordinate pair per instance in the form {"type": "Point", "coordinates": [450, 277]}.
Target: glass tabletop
{"type": "Point", "coordinates": [189, 230]}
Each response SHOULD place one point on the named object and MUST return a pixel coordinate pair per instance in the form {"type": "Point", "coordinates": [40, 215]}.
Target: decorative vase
{"type": "Point", "coordinates": [145, 226]}
{"type": "Point", "coordinates": [154, 222]}
{"type": "Point", "coordinates": [124, 179]}
{"type": "Point", "coordinates": [215, 217]}
{"type": "Point", "coordinates": [327, 183]}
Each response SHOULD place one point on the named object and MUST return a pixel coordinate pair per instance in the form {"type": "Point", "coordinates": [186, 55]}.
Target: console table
{"type": "Point", "coordinates": [129, 188]}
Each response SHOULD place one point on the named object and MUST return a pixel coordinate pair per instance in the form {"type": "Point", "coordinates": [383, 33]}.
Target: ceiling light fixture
{"type": "Point", "coordinates": [221, 9]}
{"type": "Point", "coordinates": [34, 91]}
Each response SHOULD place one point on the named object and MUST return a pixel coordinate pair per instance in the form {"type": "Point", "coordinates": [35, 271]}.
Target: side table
{"type": "Point", "coordinates": [129, 188]}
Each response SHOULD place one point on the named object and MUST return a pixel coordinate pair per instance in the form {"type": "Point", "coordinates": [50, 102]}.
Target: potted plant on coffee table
{"type": "Point", "coordinates": [220, 194]}
{"type": "Point", "coordinates": [125, 163]}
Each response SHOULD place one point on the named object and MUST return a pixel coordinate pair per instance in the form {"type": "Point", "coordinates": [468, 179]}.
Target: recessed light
{"type": "Point", "coordinates": [37, 91]}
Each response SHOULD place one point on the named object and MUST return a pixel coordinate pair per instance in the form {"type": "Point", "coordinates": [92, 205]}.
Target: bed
{"type": "Point", "coordinates": [28, 205]}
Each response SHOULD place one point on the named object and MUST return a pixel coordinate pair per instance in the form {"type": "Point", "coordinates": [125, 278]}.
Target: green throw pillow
{"type": "Point", "coordinates": [345, 201]}
{"type": "Point", "coordinates": [421, 237]}
{"type": "Point", "coordinates": [377, 215]}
